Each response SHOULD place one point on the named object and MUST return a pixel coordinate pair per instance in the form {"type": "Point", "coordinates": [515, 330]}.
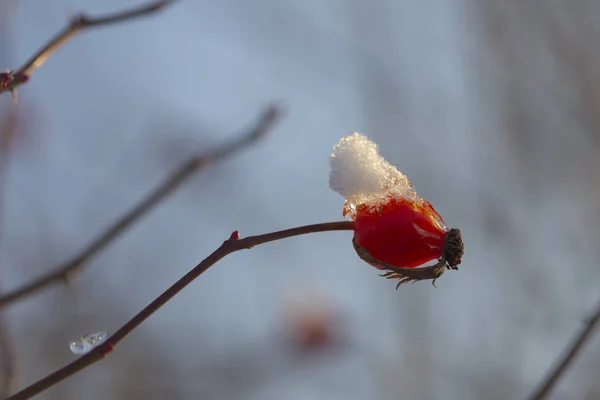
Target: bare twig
{"type": "Point", "coordinates": [231, 245]}
{"type": "Point", "coordinates": [11, 79]}
{"type": "Point", "coordinates": [9, 360]}
{"type": "Point", "coordinates": [64, 272]}
{"type": "Point", "coordinates": [8, 132]}
{"type": "Point", "coordinates": [568, 357]}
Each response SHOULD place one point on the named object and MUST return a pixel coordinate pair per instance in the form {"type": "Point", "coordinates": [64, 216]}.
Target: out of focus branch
{"type": "Point", "coordinates": [231, 245]}
{"type": "Point", "coordinates": [8, 133]}
{"type": "Point", "coordinates": [64, 272]}
{"type": "Point", "coordinates": [9, 360]}
{"type": "Point", "coordinates": [568, 357]}
{"type": "Point", "coordinates": [11, 79]}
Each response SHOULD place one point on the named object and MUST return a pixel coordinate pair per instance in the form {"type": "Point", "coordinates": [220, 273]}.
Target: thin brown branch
{"type": "Point", "coordinates": [8, 133]}
{"type": "Point", "coordinates": [231, 245]}
{"type": "Point", "coordinates": [66, 271]}
{"type": "Point", "coordinates": [569, 356]}
{"type": "Point", "coordinates": [11, 79]}
{"type": "Point", "coordinates": [9, 360]}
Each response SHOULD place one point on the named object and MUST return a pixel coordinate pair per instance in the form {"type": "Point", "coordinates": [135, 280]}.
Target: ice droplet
{"type": "Point", "coordinates": [87, 342]}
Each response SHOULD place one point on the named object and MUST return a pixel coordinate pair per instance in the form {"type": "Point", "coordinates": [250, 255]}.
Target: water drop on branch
{"type": "Point", "coordinates": [87, 342]}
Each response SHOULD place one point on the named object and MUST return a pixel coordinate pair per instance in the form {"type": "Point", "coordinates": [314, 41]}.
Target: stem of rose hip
{"type": "Point", "coordinates": [232, 244]}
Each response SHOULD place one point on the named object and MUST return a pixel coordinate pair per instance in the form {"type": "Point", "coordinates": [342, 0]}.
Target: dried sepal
{"type": "Point", "coordinates": [452, 253]}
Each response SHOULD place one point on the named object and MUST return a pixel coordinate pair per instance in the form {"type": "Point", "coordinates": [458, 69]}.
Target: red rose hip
{"type": "Point", "coordinates": [395, 229]}
{"type": "Point", "coordinates": [400, 233]}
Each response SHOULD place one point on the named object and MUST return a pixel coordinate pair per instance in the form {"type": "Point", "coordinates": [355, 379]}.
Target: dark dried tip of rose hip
{"type": "Point", "coordinates": [453, 248]}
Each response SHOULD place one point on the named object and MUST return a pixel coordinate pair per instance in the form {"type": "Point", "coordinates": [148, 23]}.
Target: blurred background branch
{"type": "Point", "coordinates": [64, 273]}
{"type": "Point", "coordinates": [9, 124]}
{"type": "Point", "coordinates": [570, 354]}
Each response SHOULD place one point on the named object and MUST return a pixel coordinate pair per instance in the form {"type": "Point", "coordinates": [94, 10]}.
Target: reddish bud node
{"type": "Point", "coordinates": [235, 235]}
{"type": "Point", "coordinates": [5, 79]}
{"type": "Point", "coordinates": [106, 348]}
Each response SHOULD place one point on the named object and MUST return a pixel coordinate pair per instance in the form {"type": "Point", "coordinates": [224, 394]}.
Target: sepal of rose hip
{"type": "Point", "coordinates": [452, 255]}
{"type": "Point", "coordinates": [405, 275]}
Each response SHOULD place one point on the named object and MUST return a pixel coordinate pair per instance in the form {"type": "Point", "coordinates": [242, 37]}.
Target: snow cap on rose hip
{"type": "Point", "coordinates": [395, 229]}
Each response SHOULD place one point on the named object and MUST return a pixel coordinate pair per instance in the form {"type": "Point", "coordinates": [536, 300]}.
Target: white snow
{"type": "Point", "coordinates": [363, 176]}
